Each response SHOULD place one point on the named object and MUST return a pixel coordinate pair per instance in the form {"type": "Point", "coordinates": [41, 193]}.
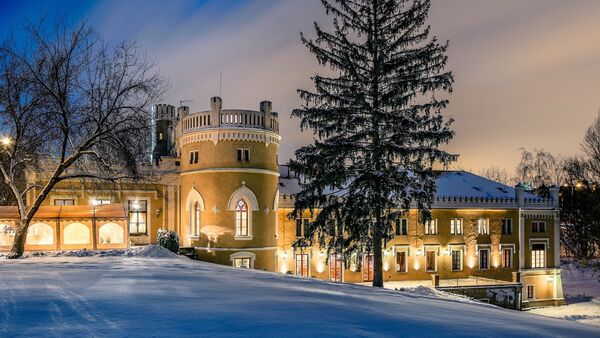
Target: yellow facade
{"type": "Point", "coordinates": [222, 192]}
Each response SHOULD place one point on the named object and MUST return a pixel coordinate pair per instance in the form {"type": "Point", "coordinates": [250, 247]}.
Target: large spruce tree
{"type": "Point", "coordinates": [378, 126]}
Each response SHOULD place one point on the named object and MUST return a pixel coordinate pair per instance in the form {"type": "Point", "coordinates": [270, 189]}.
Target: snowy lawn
{"type": "Point", "coordinates": [582, 294]}
{"type": "Point", "coordinates": [174, 296]}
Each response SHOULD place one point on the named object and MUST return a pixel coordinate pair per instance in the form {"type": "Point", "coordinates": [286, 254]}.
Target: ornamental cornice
{"type": "Point", "coordinates": [216, 135]}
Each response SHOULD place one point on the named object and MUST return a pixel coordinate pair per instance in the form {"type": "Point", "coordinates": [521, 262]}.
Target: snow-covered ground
{"type": "Point", "coordinates": [140, 294]}
{"type": "Point", "coordinates": [581, 287]}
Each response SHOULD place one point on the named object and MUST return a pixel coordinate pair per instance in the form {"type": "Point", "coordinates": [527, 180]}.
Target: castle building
{"type": "Point", "coordinates": [222, 190]}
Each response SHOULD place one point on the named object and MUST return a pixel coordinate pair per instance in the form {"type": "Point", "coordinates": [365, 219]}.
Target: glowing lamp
{"type": "Point", "coordinates": [320, 268]}
{"type": "Point", "coordinates": [6, 141]}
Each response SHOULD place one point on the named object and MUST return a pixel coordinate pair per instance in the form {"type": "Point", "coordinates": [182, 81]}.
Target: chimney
{"type": "Point", "coordinates": [520, 195]}
{"type": "Point", "coordinates": [183, 111]}
{"type": "Point", "coordinates": [554, 190]}
{"type": "Point", "coordinates": [216, 104]}
{"type": "Point", "coordinates": [266, 108]}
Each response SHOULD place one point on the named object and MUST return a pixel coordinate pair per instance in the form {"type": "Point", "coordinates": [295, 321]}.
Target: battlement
{"type": "Point", "coordinates": [163, 111]}
{"type": "Point", "coordinates": [218, 117]}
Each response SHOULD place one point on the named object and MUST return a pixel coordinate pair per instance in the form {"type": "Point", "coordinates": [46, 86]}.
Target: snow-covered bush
{"type": "Point", "coordinates": [168, 240]}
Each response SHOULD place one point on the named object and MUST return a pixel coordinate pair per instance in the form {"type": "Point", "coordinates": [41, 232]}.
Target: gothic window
{"type": "Point", "coordinates": [195, 220]}
{"type": "Point", "coordinates": [242, 227]}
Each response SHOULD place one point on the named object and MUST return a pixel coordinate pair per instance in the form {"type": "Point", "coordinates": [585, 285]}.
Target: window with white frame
{"type": "Point", "coordinates": [507, 226]}
{"type": "Point", "coordinates": [194, 156]}
{"type": "Point", "coordinates": [431, 227]}
{"type": "Point", "coordinates": [100, 201]}
{"type": "Point", "coordinates": [483, 226]}
{"type": "Point", "coordinates": [538, 255]}
{"type": "Point", "coordinates": [507, 258]}
{"type": "Point", "coordinates": [243, 154]}
{"type": "Point", "coordinates": [242, 262]}
{"type": "Point", "coordinates": [530, 291]}
{"type": "Point", "coordinates": [484, 259]}
{"type": "Point", "coordinates": [457, 260]}
{"type": "Point", "coordinates": [537, 226]}
{"type": "Point", "coordinates": [456, 226]}
{"type": "Point", "coordinates": [242, 224]}
{"type": "Point", "coordinates": [401, 263]}
{"type": "Point", "coordinates": [138, 217]}
{"type": "Point", "coordinates": [64, 201]}
{"type": "Point", "coordinates": [402, 227]}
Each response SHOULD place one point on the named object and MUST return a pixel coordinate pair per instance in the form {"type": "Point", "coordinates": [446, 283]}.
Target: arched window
{"type": "Point", "coordinates": [241, 219]}
{"type": "Point", "coordinates": [7, 235]}
{"type": "Point", "coordinates": [111, 233]}
{"type": "Point", "coordinates": [195, 220]}
{"type": "Point", "coordinates": [40, 234]}
{"type": "Point", "coordinates": [76, 233]}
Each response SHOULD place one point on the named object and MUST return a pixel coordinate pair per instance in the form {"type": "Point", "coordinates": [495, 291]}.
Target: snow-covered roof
{"type": "Point", "coordinates": [449, 184]}
{"type": "Point", "coordinates": [466, 184]}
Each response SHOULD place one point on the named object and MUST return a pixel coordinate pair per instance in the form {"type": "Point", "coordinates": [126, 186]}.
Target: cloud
{"type": "Point", "coordinates": [526, 71]}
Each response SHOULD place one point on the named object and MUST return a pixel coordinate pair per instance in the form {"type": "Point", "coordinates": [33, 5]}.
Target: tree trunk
{"type": "Point", "coordinates": [19, 244]}
{"type": "Point", "coordinates": [377, 261]}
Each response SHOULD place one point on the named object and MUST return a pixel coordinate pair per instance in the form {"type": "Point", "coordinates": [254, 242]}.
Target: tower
{"type": "Point", "coordinates": [229, 184]}
{"type": "Point", "coordinates": [163, 138]}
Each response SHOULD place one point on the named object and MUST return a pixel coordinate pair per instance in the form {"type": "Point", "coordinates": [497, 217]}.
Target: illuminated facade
{"type": "Point", "coordinates": [223, 192]}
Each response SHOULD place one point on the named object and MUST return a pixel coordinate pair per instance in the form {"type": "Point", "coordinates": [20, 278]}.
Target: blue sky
{"type": "Point", "coordinates": [526, 70]}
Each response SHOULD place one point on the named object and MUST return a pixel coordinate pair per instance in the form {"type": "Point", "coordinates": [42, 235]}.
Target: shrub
{"type": "Point", "coordinates": [168, 240]}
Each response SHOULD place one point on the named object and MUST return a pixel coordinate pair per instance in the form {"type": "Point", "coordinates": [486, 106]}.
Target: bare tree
{"type": "Point", "coordinates": [72, 107]}
{"type": "Point", "coordinates": [591, 147]}
{"type": "Point", "coordinates": [497, 174]}
{"type": "Point", "coordinates": [540, 168]}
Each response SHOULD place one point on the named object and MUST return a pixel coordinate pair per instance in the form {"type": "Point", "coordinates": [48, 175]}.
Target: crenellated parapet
{"type": "Point", "coordinates": [230, 125]}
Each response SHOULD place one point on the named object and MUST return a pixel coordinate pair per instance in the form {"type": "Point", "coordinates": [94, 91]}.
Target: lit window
{"type": "Point", "coordinates": [484, 259]}
{"type": "Point", "coordinates": [335, 267]}
{"type": "Point", "coordinates": [302, 265]}
{"type": "Point", "coordinates": [242, 227]}
{"type": "Point", "coordinates": [242, 262]}
{"type": "Point", "coordinates": [76, 233]}
{"type": "Point", "coordinates": [538, 226]}
{"type": "Point", "coordinates": [507, 258]}
{"type": "Point", "coordinates": [195, 220]}
{"type": "Point", "coordinates": [431, 260]}
{"type": "Point", "coordinates": [40, 234]}
{"type": "Point", "coordinates": [64, 201]}
{"type": "Point", "coordinates": [507, 226]}
{"type": "Point", "coordinates": [401, 261]}
{"type": "Point", "coordinates": [538, 256]}
{"type": "Point", "coordinates": [138, 217]}
{"type": "Point", "coordinates": [367, 268]}
{"type": "Point", "coordinates": [456, 226]}
{"type": "Point", "coordinates": [402, 227]}
{"type": "Point", "coordinates": [457, 260]}
{"type": "Point", "coordinates": [111, 233]}
{"type": "Point", "coordinates": [7, 235]}
{"type": "Point", "coordinates": [100, 202]}
{"type": "Point", "coordinates": [483, 226]}
{"type": "Point", "coordinates": [431, 227]}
